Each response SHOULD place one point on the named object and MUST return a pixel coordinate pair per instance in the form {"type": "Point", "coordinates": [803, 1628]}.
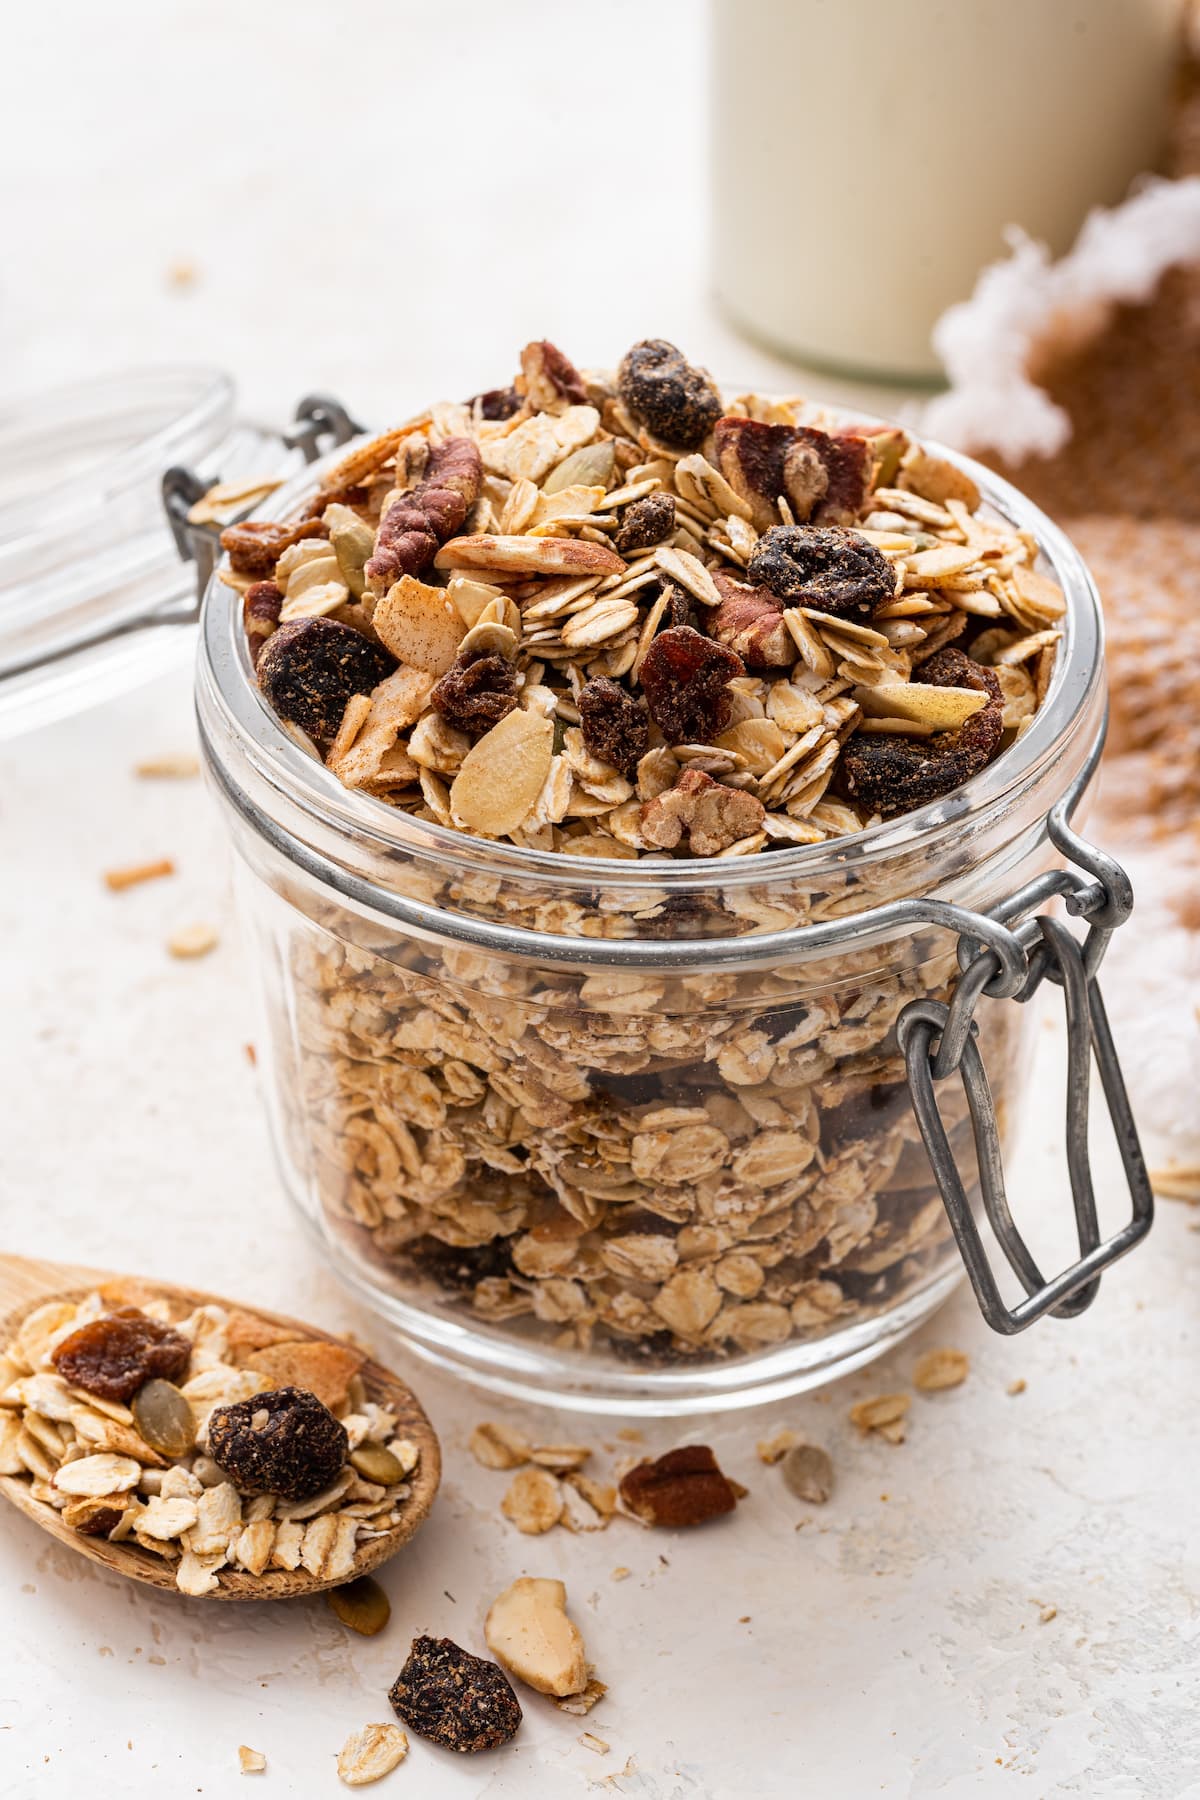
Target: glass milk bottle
{"type": "Point", "coordinates": [866, 158]}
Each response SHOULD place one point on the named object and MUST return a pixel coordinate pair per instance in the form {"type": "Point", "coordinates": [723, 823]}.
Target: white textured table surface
{"type": "Point", "coordinates": [460, 195]}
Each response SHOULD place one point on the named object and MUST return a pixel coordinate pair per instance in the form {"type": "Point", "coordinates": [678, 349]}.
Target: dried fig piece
{"type": "Point", "coordinates": [310, 668]}
{"type": "Point", "coordinates": [749, 621]}
{"type": "Point", "coordinates": [255, 547]}
{"type": "Point", "coordinates": [261, 607]}
{"type": "Point", "coordinates": [284, 1441]}
{"type": "Point", "coordinates": [112, 1356]}
{"type": "Point", "coordinates": [685, 678]}
{"type": "Point", "coordinates": [454, 1699]}
{"type": "Point", "coordinates": [824, 479]}
{"type": "Point", "coordinates": [647, 521]}
{"type": "Point", "coordinates": [476, 692]}
{"type": "Point", "coordinates": [828, 568]}
{"type": "Point", "coordinates": [665, 393]}
{"type": "Point", "coordinates": [616, 727]}
{"type": "Point", "coordinates": [684, 1487]}
{"type": "Point", "coordinates": [416, 524]}
{"type": "Point", "coordinates": [895, 774]}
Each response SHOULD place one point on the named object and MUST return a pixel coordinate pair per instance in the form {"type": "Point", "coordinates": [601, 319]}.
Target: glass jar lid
{"type": "Point", "coordinates": [94, 598]}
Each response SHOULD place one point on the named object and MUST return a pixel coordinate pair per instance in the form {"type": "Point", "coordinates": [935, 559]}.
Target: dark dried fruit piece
{"type": "Point", "coordinates": [647, 521]}
{"type": "Point", "coordinates": [616, 727]}
{"type": "Point", "coordinates": [112, 1356]}
{"type": "Point", "coordinates": [497, 403]}
{"type": "Point", "coordinates": [164, 1418]}
{"type": "Point", "coordinates": [836, 571]}
{"type": "Point", "coordinates": [415, 525]}
{"type": "Point", "coordinates": [895, 774]}
{"type": "Point", "coordinates": [310, 668]}
{"type": "Point", "coordinates": [684, 1487]}
{"type": "Point", "coordinates": [749, 622]}
{"type": "Point", "coordinates": [685, 678]}
{"type": "Point", "coordinates": [284, 1441]}
{"type": "Point", "coordinates": [454, 1699]}
{"type": "Point", "coordinates": [824, 479]}
{"type": "Point", "coordinates": [476, 692]}
{"type": "Point", "coordinates": [260, 615]}
{"type": "Point", "coordinates": [460, 1269]}
{"type": "Point", "coordinates": [678, 403]}
{"type": "Point", "coordinates": [255, 547]}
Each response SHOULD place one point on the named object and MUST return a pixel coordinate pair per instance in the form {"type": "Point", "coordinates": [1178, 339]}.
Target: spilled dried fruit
{"type": "Point", "coordinates": [454, 1699]}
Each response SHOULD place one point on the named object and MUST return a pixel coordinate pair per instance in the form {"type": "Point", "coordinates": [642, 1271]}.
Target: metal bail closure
{"type": "Point", "coordinates": [1065, 961]}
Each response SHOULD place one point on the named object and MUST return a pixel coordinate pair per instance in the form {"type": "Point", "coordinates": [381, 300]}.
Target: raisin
{"type": "Point", "coordinates": [684, 1487]}
{"type": "Point", "coordinates": [458, 1269]}
{"type": "Point", "coordinates": [648, 521]}
{"type": "Point", "coordinates": [284, 1441]}
{"type": "Point", "coordinates": [255, 547]}
{"type": "Point", "coordinates": [685, 678]}
{"type": "Point", "coordinates": [111, 1357]}
{"type": "Point", "coordinates": [895, 774]}
{"type": "Point", "coordinates": [497, 403]}
{"type": "Point", "coordinates": [454, 1699]}
{"type": "Point", "coordinates": [476, 692]}
{"type": "Point", "coordinates": [678, 403]}
{"type": "Point", "coordinates": [310, 668]}
{"type": "Point", "coordinates": [825, 567]}
{"type": "Point", "coordinates": [616, 727]}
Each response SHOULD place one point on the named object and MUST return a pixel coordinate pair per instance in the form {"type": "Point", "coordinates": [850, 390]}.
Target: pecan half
{"type": "Point", "coordinates": [255, 547]}
{"type": "Point", "coordinates": [823, 479]}
{"type": "Point", "coordinates": [749, 621]}
{"type": "Point", "coordinates": [714, 817]}
{"type": "Point", "coordinates": [895, 774]}
{"type": "Point", "coordinates": [550, 379]}
{"type": "Point", "coordinates": [417, 523]}
{"type": "Point", "coordinates": [685, 1487]}
{"type": "Point", "coordinates": [834, 570]}
{"type": "Point", "coordinates": [685, 678]}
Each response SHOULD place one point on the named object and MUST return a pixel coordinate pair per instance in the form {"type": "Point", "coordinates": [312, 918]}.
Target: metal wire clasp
{"type": "Point", "coordinates": [939, 1041]}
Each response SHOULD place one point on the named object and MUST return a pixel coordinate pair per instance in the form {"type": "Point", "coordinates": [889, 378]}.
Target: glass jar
{"type": "Point", "coordinates": [638, 1134]}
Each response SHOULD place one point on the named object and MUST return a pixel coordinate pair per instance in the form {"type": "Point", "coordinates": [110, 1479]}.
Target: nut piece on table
{"type": "Point", "coordinates": [370, 1753]}
{"type": "Point", "coordinates": [713, 816]}
{"type": "Point", "coordinates": [677, 402]}
{"type": "Point", "coordinates": [310, 668]}
{"type": "Point", "coordinates": [534, 1501]}
{"type": "Point", "coordinates": [251, 1762]}
{"type": "Point", "coordinates": [283, 1441]}
{"type": "Point", "coordinates": [454, 1699]}
{"type": "Point", "coordinates": [528, 1630]}
{"type": "Point", "coordinates": [683, 1487]}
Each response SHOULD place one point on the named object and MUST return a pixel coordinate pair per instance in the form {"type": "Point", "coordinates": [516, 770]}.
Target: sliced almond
{"type": "Point", "coordinates": [419, 625]}
{"type": "Point", "coordinates": [503, 774]}
{"type": "Point", "coordinates": [941, 708]}
{"type": "Point", "coordinates": [527, 555]}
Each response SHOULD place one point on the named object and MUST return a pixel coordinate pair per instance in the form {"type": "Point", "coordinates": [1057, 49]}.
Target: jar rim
{"type": "Point", "coordinates": [315, 801]}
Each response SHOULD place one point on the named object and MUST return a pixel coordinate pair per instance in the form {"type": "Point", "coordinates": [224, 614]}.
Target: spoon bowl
{"type": "Point", "coordinates": [26, 1285]}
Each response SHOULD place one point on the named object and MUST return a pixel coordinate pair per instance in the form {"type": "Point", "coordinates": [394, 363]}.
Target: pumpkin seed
{"type": "Point", "coordinates": [590, 467]}
{"type": "Point", "coordinates": [164, 1417]}
{"type": "Point", "coordinates": [808, 1472]}
{"type": "Point", "coordinates": [353, 541]}
{"type": "Point", "coordinates": [374, 1463]}
{"type": "Point", "coordinates": [362, 1605]}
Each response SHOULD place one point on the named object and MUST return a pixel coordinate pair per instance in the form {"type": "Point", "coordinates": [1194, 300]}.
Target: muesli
{"type": "Point", "coordinates": [624, 618]}
{"type": "Point", "coordinates": [191, 1438]}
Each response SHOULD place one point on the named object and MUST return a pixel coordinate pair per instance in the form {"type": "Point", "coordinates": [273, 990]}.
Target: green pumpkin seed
{"type": "Point", "coordinates": [362, 1605]}
{"type": "Point", "coordinates": [164, 1418]}
{"type": "Point", "coordinates": [353, 541]}
{"type": "Point", "coordinates": [808, 1473]}
{"type": "Point", "coordinates": [590, 467]}
{"type": "Point", "coordinates": [374, 1463]}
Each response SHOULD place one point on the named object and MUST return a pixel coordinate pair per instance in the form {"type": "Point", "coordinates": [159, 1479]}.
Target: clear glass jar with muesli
{"type": "Point", "coordinates": [618, 1127]}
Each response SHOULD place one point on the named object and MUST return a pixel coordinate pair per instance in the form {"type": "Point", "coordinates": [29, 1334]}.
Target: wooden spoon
{"type": "Point", "coordinates": [26, 1285]}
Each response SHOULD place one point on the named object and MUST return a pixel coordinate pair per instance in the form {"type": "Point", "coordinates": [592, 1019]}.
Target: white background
{"type": "Point", "coordinates": [387, 201]}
